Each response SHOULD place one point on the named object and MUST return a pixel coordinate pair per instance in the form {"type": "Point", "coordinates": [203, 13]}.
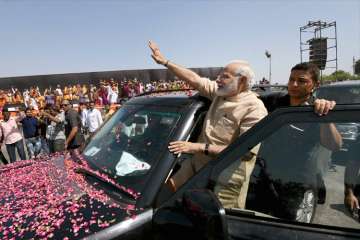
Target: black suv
{"type": "Point", "coordinates": [115, 189]}
{"type": "Point", "coordinates": [344, 92]}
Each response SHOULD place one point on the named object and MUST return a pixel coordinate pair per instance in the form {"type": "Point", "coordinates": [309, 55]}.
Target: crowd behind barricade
{"type": "Point", "coordinates": [46, 124]}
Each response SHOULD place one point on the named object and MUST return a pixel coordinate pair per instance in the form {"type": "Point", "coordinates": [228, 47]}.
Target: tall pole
{"type": "Point", "coordinates": [336, 62]}
{"type": "Point", "coordinates": [270, 70]}
{"type": "Point", "coordinates": [268, 55]}
{"type": "Point", "coordinates": [353, 65]}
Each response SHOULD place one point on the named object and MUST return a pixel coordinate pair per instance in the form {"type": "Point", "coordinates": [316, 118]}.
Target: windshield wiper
{"type": "Point", "coordinates": [85, 171]}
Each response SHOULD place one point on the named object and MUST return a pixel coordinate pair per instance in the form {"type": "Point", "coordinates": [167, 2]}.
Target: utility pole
{"type": "Point", "coordinates": [268, 55]}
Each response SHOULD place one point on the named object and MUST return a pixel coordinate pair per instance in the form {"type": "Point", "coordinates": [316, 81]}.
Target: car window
{"type": "Point", "coordinates": [130, 144]}
{"type": "Point", "coordinates": [298, 173]}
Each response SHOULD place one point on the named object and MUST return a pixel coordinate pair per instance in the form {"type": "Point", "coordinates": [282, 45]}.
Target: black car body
{"type": "Point", "coordinates": [344, 92]}
{"type": "Point", "coordinates": [108, 190]}
{"type": "Point", "coordinates": [116, 188]}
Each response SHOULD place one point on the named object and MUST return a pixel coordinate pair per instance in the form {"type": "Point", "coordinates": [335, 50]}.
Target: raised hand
{"type": "Point", "coordinates": [156, 54]}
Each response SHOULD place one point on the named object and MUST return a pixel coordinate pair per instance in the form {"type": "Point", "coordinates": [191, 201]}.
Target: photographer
{"type": "Point", "coordinates": [55, 131]}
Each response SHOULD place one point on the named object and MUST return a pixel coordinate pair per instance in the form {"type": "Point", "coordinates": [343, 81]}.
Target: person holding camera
{"type": "Point", "coordinates": [55, 131]}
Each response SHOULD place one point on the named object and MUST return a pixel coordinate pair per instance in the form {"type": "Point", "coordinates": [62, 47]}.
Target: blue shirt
{"type": "Point", "coordinates": [30, 127]}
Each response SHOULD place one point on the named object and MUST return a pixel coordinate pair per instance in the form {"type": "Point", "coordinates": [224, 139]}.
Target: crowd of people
{"type": "Point", "coordinates": [59, 118]}
{"type": "Point", "coordinates": [108, 92]}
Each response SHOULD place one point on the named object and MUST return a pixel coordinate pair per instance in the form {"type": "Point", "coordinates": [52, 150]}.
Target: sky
{"type": "Point", "coordinates": [51, 37]}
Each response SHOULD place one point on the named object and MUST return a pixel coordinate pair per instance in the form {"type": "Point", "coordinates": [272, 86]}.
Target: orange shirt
{"type": "Point", "coordinates": [17, 99]}
{"type": "Point", "coordinates": [2, 101]}
{"type": "Point", "coordinates": [67, 97]}
{"type": "Point", "coordinates": [41, 101]}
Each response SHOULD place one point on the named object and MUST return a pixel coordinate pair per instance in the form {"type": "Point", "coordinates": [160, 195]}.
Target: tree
{"type": "Point", "coordinates": [339, 75]}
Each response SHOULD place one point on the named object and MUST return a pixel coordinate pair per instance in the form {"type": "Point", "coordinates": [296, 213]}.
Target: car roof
{"type": "Point", "coordinates": [345, 92]}
{"type": "Point", "coordinates": [168, 98]}
{"type": "Point", "coordinates": [347, 83]}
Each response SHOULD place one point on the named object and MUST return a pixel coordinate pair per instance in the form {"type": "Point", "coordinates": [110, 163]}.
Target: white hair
{"type": "Point", "coordinates": [244, 69]}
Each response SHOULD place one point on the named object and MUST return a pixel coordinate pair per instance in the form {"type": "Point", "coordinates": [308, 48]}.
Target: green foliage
{"type": "Point", "coordinates": [339, 75]}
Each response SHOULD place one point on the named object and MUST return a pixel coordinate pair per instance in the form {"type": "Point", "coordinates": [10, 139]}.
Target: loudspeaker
{"type": "Point", "coordinates": [357, 67]}
{"type": "Point", "coordinates": [318, 52]}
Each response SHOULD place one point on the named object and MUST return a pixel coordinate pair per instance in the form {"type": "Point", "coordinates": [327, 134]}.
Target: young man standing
{"type": "Point", "coordinates": [31, 133]}
{"type": "Point", "coordinates": [74, 138]}
{"type": "Point", "coordinates": [93, 119]}
{"type": "Point", "coordinates": [12, 137]}
{"type": "Point", "coordinates": [303, 80]}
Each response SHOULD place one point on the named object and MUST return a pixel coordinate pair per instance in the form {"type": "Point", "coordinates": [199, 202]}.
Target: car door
{"type": "Point", "coordinates": [293, 189]}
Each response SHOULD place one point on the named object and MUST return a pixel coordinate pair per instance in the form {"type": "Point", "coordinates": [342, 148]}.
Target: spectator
{"type": "Point", "coordinates": [31, 133]}
{"type": "Point", "coordinates": [55, 132]}
{"type": "Point", "coordinates": [83, 114]}
{"type": "Point", "coordinates": [32, 103]}
{"type": "Point", "coordinates": [17, 97]}
{"type": "Point", "coordinates": [2, 99]}
{"type": "Point", "coordinates": [58, 90]}
{"type": "Point", "coordinates": [126, 90]}
{"type": "Point", "coordinates": [103, 93]}
{"type": "Point", "coordinates": [74, 138]}
{"type": "Point", "coordinates": [113, 95]}
{"type": "Point", "coordinates": [93, 119]}
{"type": "Point", "coordinates": [43, 124]}
{"type": "Point", "coordinates": [50, 98]}
{"type": "Point", "coordinates": [12, 136]}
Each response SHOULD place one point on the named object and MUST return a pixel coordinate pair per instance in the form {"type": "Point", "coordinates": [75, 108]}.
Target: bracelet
{"type": "Point", "coordinates": [206, 150]}
{"type": "Point", "coordinates": [166, 63]}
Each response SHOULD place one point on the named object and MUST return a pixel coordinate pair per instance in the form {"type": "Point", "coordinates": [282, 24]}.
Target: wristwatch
{"type": "Point", "coordinates": [206, 150]}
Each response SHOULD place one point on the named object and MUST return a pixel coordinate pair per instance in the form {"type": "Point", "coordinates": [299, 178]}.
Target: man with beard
{"type": "Point", "coordinates": [233, 111]}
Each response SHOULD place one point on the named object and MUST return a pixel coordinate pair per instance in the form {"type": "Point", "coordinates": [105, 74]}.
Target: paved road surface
{"type": "Point", "coordinates": [333, 212]}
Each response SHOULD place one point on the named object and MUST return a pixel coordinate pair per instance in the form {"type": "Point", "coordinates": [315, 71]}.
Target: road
{"type": "Point", "coordinates": [333, 212]}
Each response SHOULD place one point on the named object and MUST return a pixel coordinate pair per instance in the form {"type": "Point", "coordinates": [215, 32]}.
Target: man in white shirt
{"type": "Point", "coordinates": [32, 103]}
{"type": "Point", "coordinates": [83, 114]}
{"type": "Point", "coordinates": [93, 118]}
{"type": "Point", "coordinates": [58, 90]}
{"type": "Point", "coordinates": [26, 96]}
{"type": "Point", "coordinates": [112, 95]}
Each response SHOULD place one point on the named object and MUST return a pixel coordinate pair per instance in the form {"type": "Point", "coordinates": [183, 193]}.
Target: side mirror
{"type": "Point", "coordinates": [199, 214]}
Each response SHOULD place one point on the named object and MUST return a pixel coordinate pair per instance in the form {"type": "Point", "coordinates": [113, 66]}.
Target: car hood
{"type": "Point", "coordinates": [47, 198]}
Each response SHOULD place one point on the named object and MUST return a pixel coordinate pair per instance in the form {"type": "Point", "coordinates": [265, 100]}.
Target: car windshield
{"type": "Point", "coordinates": [129, 145]}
